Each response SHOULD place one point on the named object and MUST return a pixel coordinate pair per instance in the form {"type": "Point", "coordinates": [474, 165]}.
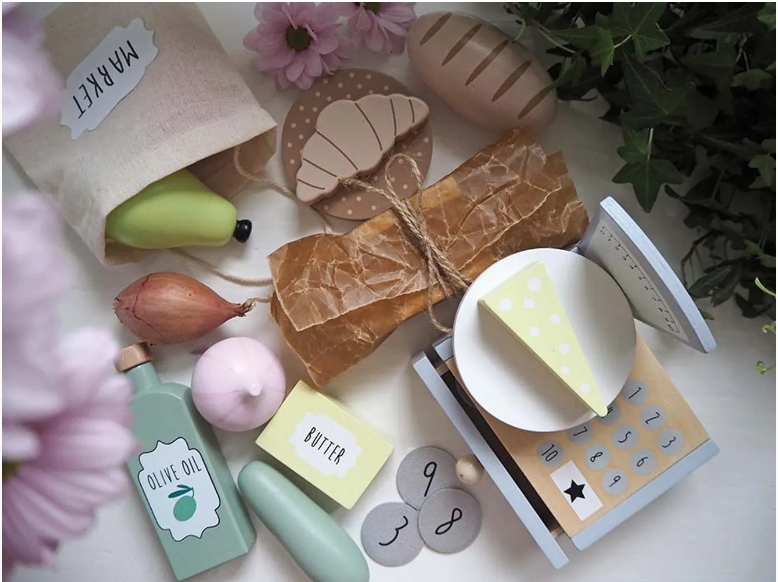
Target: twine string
{"type": "Point", "coordinates": [441, 271]}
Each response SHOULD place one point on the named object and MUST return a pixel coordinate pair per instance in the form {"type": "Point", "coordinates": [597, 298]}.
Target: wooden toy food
{"type": "Point", "coordinates": [181, 475]}
{"type": "Point", "coordinates": [176, 211]}
{"type": "Point", "coordinates": [238, 384]}
{"type": "Point", "coordinates": [352, 138]}
{"type": "Point", "coordinates": [320, 546]}
{"type": "Point", "coordinates": [478, 71]}
{"type": "Point", "coordinates": [353, 202]}
{"type": "Point", "coordinates": [528, 306]}
{"type": "Point", "coordinates": [323, 442]}
{"type": "Point", "coordinates": [170, 308]}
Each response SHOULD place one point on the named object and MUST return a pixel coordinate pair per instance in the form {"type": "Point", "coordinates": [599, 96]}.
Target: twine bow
{"type": "Point", "coordinates": [442, 272]}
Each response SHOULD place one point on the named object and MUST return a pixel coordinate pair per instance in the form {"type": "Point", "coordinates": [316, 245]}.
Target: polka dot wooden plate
{"type": "Point", "coordinates": [300, 124]}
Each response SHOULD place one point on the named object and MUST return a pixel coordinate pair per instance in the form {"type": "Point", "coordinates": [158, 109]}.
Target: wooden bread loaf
{"type": "Point", "coordinates": [478, 71]}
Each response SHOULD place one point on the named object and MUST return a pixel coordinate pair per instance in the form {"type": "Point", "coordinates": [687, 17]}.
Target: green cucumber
{"type": "Point", "coordinates": [320, 546]}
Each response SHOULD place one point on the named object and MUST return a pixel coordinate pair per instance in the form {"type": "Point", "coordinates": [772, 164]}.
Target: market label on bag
{"type": "Point", "coordinates": [106, 76]}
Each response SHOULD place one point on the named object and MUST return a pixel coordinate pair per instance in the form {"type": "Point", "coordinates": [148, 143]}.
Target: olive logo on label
{"type": "Point", "coordinates": [179, 490]}
{"type": "Point", "coordinates": [185, 507]}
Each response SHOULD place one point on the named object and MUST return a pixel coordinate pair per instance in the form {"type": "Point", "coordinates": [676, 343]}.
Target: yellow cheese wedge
{"type": "Point", "coordinates": [527, 304]}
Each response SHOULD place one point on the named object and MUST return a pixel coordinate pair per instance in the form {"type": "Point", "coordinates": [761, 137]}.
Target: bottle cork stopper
{"type": "Point", "coordinates": [133, 356]}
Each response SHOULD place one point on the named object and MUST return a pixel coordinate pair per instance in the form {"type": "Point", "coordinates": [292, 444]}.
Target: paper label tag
{"type": "Point", "coordinates": [324, 444]}
{"type": "Point", "coordinates": [576, 490]}
{"type": "Point", "coordinates": [106, 76]}
{"type": "Point", "coordinates": [179, 489]}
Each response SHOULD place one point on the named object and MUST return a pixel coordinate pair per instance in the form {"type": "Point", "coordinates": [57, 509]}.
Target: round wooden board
{"type": "Point", "coordinates": [300, 124]}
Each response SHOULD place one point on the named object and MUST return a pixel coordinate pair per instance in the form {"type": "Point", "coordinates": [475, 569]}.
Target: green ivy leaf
{"type": "Point", "coordinates": [766, 166]}
{"type": "Point", "coordinates": [653, 100]}
{"type": "Point", "coordinates": [572, 74]}
{"type": "Point", "coordinates": [603, 50]}
{"type": "Point", "coordinates": [705, 285]}
{"type": "Point", "coordinates": [727, 287]}
{"type": "Point", "coordinates": [743, 20]}
{"type": "Point", "coordinates": [638, 20]}
{"type": "Point", "coordinates": [595, 39]}
{"type": "Point", "coordinates": [636, 146]}
{"type": "Point", "coordinates": [767, 15]}
{"type": "Point", "coordinates": [751, 79]}
{"type": "Point", "coordinates": [706, 315]}
{"type": "Point", "coordinates": [718, 65]}
{"type": "Point", "coordinates": [768, 145]}
{"type": "Point", "coordinates": [646, 177]}
{"type": "Point", "coordinates": [584, 37]}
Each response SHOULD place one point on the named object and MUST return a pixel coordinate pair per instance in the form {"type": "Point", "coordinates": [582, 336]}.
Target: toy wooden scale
{"type": "Point", "coordinates": [565, 472]}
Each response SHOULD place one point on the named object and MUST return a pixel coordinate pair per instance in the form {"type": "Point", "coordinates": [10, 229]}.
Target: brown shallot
{"type": "Point", "coordinates": [170, 308]}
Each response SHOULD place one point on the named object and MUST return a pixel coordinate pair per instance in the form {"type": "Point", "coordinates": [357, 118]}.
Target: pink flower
{"type": "Point", "coordinates": [381, 26]}
{"type": "Point", "coordinates": [298, 42]}
{"type": "Point", "coordinates": [66, 411]}
{"type": "Point", "coordinates": [31, 86]}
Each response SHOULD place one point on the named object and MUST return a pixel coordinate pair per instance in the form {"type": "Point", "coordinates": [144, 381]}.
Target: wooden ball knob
{"type": "Point", "coordinates": [469, 469]}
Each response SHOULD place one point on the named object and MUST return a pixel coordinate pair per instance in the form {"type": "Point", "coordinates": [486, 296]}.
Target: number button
{"type": "Point", "coordinates": [614, 412]}
{"type": "Point", "coordinates": [635, 392]}
{"type": "Point", "coordinates": [642, 461]}
{"type": "Point", "coordinates": [597, 457]}
{"type": "Point", "coordinates": [614, 481]}
{"type": "Point", "coordinates": [625, 437]}
{"type": "Point", "coordinates": [580, 434]}
{"type": "Point", "coordinates": [653, 417]}
{"type": "Point", "coordinates": [670, 441]}
{"type": "Point", "coordinates": [550, 453]}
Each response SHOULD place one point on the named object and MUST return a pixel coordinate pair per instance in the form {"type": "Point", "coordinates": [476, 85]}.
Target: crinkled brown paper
{"type": "Point", "coordinates": [337, 297]}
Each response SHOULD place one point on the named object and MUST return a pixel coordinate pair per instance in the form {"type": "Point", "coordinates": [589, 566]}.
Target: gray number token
{"type": "Point", "coordinates": [642, 461]}
{"type": "Point", "coordinates": [449, 520]}
{"type": "Point", "coordinates": [625, 437]}
{"type": "Point", "coordinates": [614, 412]}
{"type": "Point", "coordinates": [614, 481]}
{"type": "Point", "coordinates": [422, 472]}
{"type": "Point", "coordinates": [390, 534]}
{"type": "Point", "coordinates": [635, 392]}
{"type": "Point", "coordinates": [550, 453]}
{"type": "Point", "coordinates": [580, 434]}
{"type": "Point", "coordinates": [597, 457]}
{"type": "Point", "coordinates": [653, 416]}
{"type": "Point", "coordinates": [670, 441]}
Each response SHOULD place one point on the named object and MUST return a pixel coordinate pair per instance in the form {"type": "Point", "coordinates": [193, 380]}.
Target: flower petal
{"type": "Point", "coordinates": [313, 64]}
{"type": "Point", "coordinates": [295, 69]}
{"type": "Point", "coordinates": [363, 20]}
{"type": "Point", "coordinates": [375, 39]}
{"type": "Point", "coordinates": [85, 444]}
{"type": "Point", "coordinates": [326, 45]}
{"type": "Point", "coordinates": [20, 443]}
{"type": "Point", "coordinates": [397, 11]}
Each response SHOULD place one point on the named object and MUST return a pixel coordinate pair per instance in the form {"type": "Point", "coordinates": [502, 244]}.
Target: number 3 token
{"type": "Point", "coordinates": [390, 534]}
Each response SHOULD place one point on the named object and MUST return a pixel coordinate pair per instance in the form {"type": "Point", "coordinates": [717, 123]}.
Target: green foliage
{"type": "Point", "coordinates": [692, 86]}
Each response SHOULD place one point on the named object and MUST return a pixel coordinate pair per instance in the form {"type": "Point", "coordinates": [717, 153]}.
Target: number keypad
{"type": "Point", "coordinates": [624, 449]}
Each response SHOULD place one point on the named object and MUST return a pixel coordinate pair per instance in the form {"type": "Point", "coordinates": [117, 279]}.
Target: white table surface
{"type": "Point", "coordinates": [717, 525]}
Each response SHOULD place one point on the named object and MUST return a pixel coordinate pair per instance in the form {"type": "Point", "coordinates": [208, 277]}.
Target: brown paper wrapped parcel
{"type": "Point", "coordinates": [338, 297]}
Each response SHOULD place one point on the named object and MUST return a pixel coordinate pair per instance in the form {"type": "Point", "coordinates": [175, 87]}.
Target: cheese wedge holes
{"type": "Point", "coordinates": [528, 306]}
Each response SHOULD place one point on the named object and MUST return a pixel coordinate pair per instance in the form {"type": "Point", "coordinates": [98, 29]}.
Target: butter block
{"type": "Point", "coordinates": [528, 306]}
{"type": "Point", "coordinates": [321, 440]}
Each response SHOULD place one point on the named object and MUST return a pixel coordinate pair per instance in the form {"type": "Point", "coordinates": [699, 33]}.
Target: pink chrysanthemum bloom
{"type": "Point", "coordinates": [31, 86]}
{"type": "Point", "coordinates": [66, 411]}
{"type": "Point", "coordinates": [381, 26]}
{"type": "Point", "coordinates": [297, 42]}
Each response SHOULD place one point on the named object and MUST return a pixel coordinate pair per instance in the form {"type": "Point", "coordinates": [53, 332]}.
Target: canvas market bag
{"type": "Point", "coordinates": [150, 91]}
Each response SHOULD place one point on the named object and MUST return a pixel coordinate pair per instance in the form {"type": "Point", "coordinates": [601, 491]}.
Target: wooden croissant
{"type": "Point", "coordinates": [351, 138]}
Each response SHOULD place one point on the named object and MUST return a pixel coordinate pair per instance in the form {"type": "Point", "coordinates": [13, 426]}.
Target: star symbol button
{"type": "Point", "coordinates": [575, 491]}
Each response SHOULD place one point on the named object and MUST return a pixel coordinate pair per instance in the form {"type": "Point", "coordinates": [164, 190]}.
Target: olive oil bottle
{"type": "Point", "coordinates": [181, 475]}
